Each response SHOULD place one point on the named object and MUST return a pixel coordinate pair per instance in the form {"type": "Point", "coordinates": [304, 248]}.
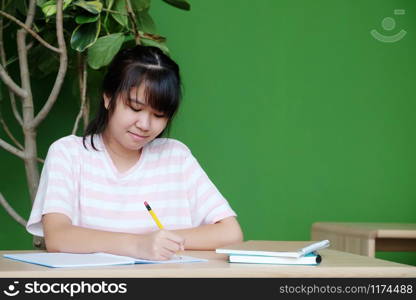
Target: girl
{"type": "Point", "coordinates": [92, 189]}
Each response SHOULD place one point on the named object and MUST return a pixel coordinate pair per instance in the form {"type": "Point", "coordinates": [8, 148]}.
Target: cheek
{"type": "Point", "coordinates": [120, 123]}
{"type": "Point", "coordinates": [127, 119]}
{"type": "Point", "coordinates": [161, 124]}
{"type": "Point", "coordinates": [120, 118]}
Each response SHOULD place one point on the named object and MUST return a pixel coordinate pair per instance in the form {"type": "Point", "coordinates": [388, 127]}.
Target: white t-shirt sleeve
{"type": "Point", "coordinates": [56, 191]}
{"type": "Point", "coordinates": [208, 205]}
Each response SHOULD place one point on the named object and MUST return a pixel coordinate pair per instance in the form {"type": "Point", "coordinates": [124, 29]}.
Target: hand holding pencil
{"type": "Point", "coordinates": [161, 244]}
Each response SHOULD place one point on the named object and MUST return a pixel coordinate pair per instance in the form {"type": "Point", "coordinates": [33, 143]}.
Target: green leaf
{"type": "Point", "coordinates": [182, 4]}
{"type": "Point", "coordinates": [49, 7]}
{"type": "Point", "coordinates": [145, 22]}
{"type": "Point", "coordinates": [66, 3]}
{"type": "Point", "coordinates": [104, 49]}
{"type": "Point", "coordinates": [120, 6]}
{"type": "Point", "coordinates": [85, 35]}
{"type": "Point", "coordinates": [40, 2]}
{"type": "Point", "coordinates": [93, 7]}
{"type": "Point", "coordinates": [161, 46]}
{"type": "Point", "coordinates": [109, 3]}
{"type": "Point", "coordinates": [128, 38]}
{"type": "Point", "coordinates": [140, 5]}
{"type": "Point", "coordinates": [82, 19]}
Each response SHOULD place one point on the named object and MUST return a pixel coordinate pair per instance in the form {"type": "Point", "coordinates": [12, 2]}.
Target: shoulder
{"type": "Point", "coordinates": [168, 146]}
{"type": "Point", "coordinates": [70, 144]}
{"type": "Point", "coordinates": [67, 142]}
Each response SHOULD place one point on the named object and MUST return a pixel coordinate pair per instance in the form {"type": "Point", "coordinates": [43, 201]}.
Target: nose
{"type": "Point", "coordinates": [143, 121]}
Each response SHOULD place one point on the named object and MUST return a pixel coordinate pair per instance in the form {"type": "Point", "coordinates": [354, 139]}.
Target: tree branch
{"type": "Point", "coordinates": [4, 62]}
{"type": "Point", "coordinates": [30, 13]}
{"type": "Point", "coordinates": [82, 75]}
{"type": "Point", "coordinates": [14, 109]}
{"type": "Point", "coordinates": [11, 149]}
{"type": "Point", "coordinates": [11, 84]}
{"type": "Point", "coordinates": [114, 11]}
{"type": "Point", "coordinates": [63, 62]}
{"type": "Point", "coordinates": [133, 21]}
{"type": "Point", "coordinates": [9, 133]}
{"type": "Point", "coordinates": [34, 34]}
{"type": "Point", "coordinates": [154, 37]}
{"type": "Point", "coordinates": [27, 106]}
{"type": "Point", "coordinates": [12, 212]}
{"type": "Point", "coordinates": [86, 112]}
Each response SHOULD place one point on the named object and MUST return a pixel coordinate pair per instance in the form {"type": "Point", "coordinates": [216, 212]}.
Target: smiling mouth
{"type": "Point", "coordinates": [138, 135]}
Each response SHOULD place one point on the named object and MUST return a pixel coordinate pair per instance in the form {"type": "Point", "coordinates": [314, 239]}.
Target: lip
{"type": "Point", "coordinates": [137, 136]}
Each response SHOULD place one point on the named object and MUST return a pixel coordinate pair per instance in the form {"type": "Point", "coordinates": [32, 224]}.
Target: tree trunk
{"type": "Point", "coordinates": [32, 175]}
{"type": "Point", "coordinates": [31, 164]}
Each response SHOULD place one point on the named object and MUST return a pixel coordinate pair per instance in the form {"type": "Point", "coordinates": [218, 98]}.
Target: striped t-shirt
{"type": "Point", "coordinates": [86, 186]}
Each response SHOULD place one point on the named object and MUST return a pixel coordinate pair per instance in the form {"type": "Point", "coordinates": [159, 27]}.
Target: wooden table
{"type": "Point", "coordinates": [366, 238]}
{"type": "Point", "coordinates": [334, 264]}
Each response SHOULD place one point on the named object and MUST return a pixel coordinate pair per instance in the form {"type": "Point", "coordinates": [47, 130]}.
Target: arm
{"type": "Point", "coordinates": [212, 236]}
{"type": "Point", "coordinates": [62, 236]}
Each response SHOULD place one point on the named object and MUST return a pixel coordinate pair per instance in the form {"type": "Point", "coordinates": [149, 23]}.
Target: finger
{"type": "Point", "coordinates": [162, 254]}
{"type": "Point", "coordinates": [175, 237]}
{"type": "Point", "coordinates": [166, 254]}
{"type": "Point", "coordinates": [171, 246]}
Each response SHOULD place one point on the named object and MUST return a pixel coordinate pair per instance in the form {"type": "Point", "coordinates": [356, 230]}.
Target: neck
{"type": "Point", "coordinates": [117, 152]}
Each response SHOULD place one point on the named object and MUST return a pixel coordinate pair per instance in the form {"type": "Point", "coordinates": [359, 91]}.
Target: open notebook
{"type": "Point", "coordinates": [62, 260]}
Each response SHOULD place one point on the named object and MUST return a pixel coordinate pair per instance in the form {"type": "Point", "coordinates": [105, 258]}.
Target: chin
{"type": "Point", "coordinates": [136, 146]}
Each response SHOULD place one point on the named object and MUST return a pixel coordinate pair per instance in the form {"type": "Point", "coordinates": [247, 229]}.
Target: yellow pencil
{"type": "Point", "coordinates": [153, 215]}
{"type": "Point", "coordinates": [155, 218]}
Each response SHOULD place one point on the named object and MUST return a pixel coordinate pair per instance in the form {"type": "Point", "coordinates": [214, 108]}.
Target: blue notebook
{"type": "Point", "coordinates": [71, 260]}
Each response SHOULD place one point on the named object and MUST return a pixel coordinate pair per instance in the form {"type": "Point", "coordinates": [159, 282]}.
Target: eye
{"type": "Point", "coordinates": [159, 115]}
{"type": "Point", "coordinates": [135, 109]}
{"type": "Point", "coordinates": [135, 106]}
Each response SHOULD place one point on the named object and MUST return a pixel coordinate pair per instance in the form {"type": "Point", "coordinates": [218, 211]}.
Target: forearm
{"type": "Point", "coordinates": [212, 236]}
{"type": "Point", "coordinates": [76, 239]}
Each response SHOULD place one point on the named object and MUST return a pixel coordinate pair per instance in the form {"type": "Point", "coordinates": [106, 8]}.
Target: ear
{"type": "Point", "coordinates": [106, 101]}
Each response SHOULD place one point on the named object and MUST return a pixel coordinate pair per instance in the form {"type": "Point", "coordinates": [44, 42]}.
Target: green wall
{"type": "Point", "coordinates": [294, 110]}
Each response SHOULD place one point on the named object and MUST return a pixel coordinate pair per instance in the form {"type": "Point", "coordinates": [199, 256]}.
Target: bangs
{"type": "Point", "coordinates": [161, 89]}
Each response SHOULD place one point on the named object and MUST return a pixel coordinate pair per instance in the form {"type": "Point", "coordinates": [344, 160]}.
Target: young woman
{"type": "Point", "coordinates": [93, 188]}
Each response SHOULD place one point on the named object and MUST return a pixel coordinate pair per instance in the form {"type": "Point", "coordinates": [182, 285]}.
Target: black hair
{"type": "Point", "coordinates": [133, 67]}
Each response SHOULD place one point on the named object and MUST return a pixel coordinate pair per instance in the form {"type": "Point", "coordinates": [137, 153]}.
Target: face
{"type": "Point", "coordinates": [133, 123]}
